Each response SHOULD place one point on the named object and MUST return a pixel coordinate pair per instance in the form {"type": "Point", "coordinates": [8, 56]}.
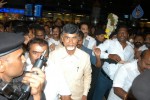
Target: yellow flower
{"type": "Point", "coordinates": [107, 30]}
{"type": "Point", "coordinates": [106, 36]}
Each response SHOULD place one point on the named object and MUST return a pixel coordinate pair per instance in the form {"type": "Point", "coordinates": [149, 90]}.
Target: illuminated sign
{"type": "Point", "coordinates": [28, 9]}
{"type": "Point", "coordinates": [138, 12]}
{"type": "Point", "coordinates": [27, 12]}
{"type": "Point", "coordinates": [37, 10]}
{"type": "Point", "coordinates": [11, 10]}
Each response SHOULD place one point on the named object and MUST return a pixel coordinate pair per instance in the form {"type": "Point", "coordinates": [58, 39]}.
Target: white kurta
{"type": "Point", "coordinates": [114, 47]}
{"type": "Point", "coordinates": [76, 69]}
{"type": "Point", "coordinates": [56, 84]}
{"type": "Point", "coordinates": [124, 78]}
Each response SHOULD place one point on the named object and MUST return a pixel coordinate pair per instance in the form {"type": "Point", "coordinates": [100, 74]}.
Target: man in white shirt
{"type": "Point", "coordinates": [118, 52]}
{"type": "Point", "coordinates": [36, 47]}
{"type": "Point", "coordinates": [88, 41]}
{"type": "Point", "coordinates": [74, 63]}
{"type": "Point", "coordinates": [55, 39]}
{"type": "Point", "coordinates": [48, 32]}
{"type": "Point", "coordinates": [39, 32]}
{"type": "Point", "coordinates": [139, 45]}
{"type": "Point", "coordinates": [54, 77]}
{"type": "Point", "coordinates": [126, 74]}
{"type": "Point", "coordinates": [56, 85]}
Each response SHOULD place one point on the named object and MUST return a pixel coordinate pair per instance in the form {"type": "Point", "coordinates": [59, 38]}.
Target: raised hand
{"type": "Point", "coordinates": [2, 3]}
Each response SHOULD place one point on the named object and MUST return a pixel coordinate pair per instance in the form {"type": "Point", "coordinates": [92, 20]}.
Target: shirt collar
{"type": "Point", "coordinates": [65, 54]}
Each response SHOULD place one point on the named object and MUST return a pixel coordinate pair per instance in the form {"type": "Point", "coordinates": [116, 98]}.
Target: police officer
{"type": "Point", "coordinates": [12, 65]}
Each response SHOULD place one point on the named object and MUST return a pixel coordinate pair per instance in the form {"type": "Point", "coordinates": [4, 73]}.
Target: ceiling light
{"type": "Point", "coordinates": [59, 14]}
{"type": "Point", "coordinates": [144, 19]}
{"type": "Point", "coordinates": [79, 15]}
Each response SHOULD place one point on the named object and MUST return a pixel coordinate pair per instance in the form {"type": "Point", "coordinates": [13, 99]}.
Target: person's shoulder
{"type": "Point", "coordinates": [86, 49]}
{"type": "Point", "coordinates": [114, 40]}
{"type": "Point", "coordinates": [130, 45]}
{"type": "Point", "coordinates": [90, 38]}
{"type": "Point", "coordinates": [109, 40]}
{"type": "Point", "coordinates": [82, 53]}
{"type": "Point", "coordinates": [56, 51]}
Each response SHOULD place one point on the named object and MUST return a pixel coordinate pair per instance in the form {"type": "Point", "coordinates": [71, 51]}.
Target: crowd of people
{"type": "Point", "coordinates": [79, 66]}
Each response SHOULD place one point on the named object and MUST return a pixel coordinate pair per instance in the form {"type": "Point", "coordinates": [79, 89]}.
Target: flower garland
{"type": "Point", "coordinates": [111, 24]}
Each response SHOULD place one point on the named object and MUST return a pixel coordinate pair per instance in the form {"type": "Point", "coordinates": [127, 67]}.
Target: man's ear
{"type": "Point", "coordinates": [2, 67]}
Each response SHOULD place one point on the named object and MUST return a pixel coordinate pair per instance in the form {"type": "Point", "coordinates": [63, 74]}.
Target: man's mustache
{"type": "Point", "coordinates": [138, 44]}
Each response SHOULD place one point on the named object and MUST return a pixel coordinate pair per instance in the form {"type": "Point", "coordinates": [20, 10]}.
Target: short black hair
{"type": "Point", "coordinates": [57, 27]}
{"type": "Point", "coordinates": [39, 41]}
{"type": "Point", "coordinates": [113, 34]}
{"type": "Point", "coordinates": [122, 26]}
{"type": "Point", "coordinates": [81, 34]}
{"type": "Point", "coordinates": [46, 26]}
{"type": "Point", "coordinates": [40, 28]}
{"type": "Point", "coordinates": [139, 35]}
{"type": "Point", "coordinates": [83, 23]}
{"type": "Point", "coordinates": [70, 28]}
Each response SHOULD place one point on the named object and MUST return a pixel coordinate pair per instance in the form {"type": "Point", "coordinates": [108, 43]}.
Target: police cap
{"type": "Point", "coordinates": [10, 42]}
